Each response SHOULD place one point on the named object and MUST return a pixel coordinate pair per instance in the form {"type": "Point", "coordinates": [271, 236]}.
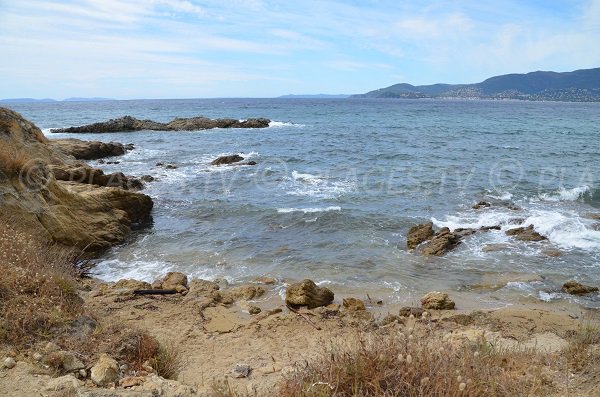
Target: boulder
{"type": "Point", "coordinates": [307, 293]}
{"type": "Point", "coordinates": [441, 243]}
{"type": "Point", "coordinates": [437, 301]}
{"type": "Point", "coordinates": [226, 160]}
{"type": "Point", "coordinates": [105, 371]}
{"type": "Point", "coordinates": [128, 123]}
{"type": "Point", "coordinates": [67, 385]}
{"type": "Point", "coordinates": [353, 304]}
{"type": "Point", "coordinates": [82, 173]}
{"type": "Point", "coordinates": [573, 287]}
{"type": "Point", "coordinates": [418, 234]}
{"type": "Point", "coordinates": [525, 234]}
{"type": "Point", "coordinates": [174, 279]}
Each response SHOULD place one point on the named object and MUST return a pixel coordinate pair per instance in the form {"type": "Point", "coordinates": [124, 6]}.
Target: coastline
{"type": "Point", "coordinates": [211, 326]}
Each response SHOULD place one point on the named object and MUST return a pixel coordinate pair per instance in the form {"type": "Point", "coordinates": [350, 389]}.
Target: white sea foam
{"type": "Point", "coordinates": [482, 219]}
{"type": "Point", "coordinates": [304, 184]}
{"type": "Point", "coordinates": [308, 210]}
{"type": "Point", "coordinates": [504, 196]}
{"type": "Point", "coordinates": [563, 194]}
{"type": "Point", "coordinates": [279, 124]}
{"type": "Point", "coordinates": [567, 230]}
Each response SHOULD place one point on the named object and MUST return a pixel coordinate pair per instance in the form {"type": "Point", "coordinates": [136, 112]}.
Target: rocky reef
{"type": "Point", "coordinates": [128, 124]}
{"type": "Point", "coordinates": [44, 187]}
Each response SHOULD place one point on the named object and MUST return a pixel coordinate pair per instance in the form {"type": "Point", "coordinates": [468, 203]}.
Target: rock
{"type": "Point", "coordinates": [105, 371]}
{"type": "Point", "coordinates": [131, 285]}
{"type": "Point", "coordinates": [406, 311]}
{"type": "Point", "coordinates": [66, 360]}
{"type": "Point", "coordinates": [51, 347]}
{"type": "Point", "coordinates": [9, 363]}
{"type": "Point", "coordinates": [82, 173]}
{"type": "Point", "coordinates": [230, 159]}
{"type": "Point", "coordinates": [200, 287]}
{"type": "Point", "coordinates": [128, 123]}
{"type": "Point", "coordinates": [171, 167]}
{"type": "Point", "coordinates": [307, 293]}
{"type": "Point", "coordinates": [156, 386]}
{"type": "Point", "coordinates": [481, 204]}
{"type": "Point", "coordinates": [553, 253]}
{"type": "Point", "coordinates": [418, 234]}
{"type": "Point", "coordinates": [389, 319]}
{"type": "Point", "coordinates": [593, 216]}
{"type": "Point", "coordinates": [174, 279]}
{"type": "Point", "coordinates": [37, 356]}
{"type": "Point", "coordinates": [265, 280]}
{"type": "Point", "coordinates": [494, 247]}
{"type": "Point", "coordinates": [573, 287]}
{"type": "Point", "coordinates": [89, 150]}
{"type": "Point", "coordinates": [66, 384]}
{"type": "Point", "coordinates": [241, 371]}
{"type": "Point", "coordinates": [488, 228]}
{"type": "Point", "coordinates": [464, 232]}
{"type": "Point", "coordinates": [130, 381]}
{"type": "Point", "coordinates": [441, 243]}
{"type": "Point", "coordinates": [82, 327]}
{"type": "Point", "coordinates": [245, 292]}
{"type": "Point", "coordinates": [353, 304]}
{"type": "Point", "coordinates": [147, 178]}
{"type": "Point", "coordinates": [437, 301]}
{"type": "Point", "coordinates": [82, 373]}
{"type": "Point", "coordinates": [525, 234]}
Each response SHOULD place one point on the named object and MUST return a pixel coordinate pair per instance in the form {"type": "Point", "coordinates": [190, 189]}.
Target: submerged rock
{"type": "Point", "coordinates": [307, 293]}
{"type": "Point", "coordinates": [481, 204]}
{"type": "Point", "coordinates": [418, 234]}
{"type": "Point", "coordinates": [128, 123]}
{"type": "Point", "coordinates": [437, 301]}
{"type": "Point", "coordinates": [573, 287]}
{"type": "Point", "coordinates": [525, 234]}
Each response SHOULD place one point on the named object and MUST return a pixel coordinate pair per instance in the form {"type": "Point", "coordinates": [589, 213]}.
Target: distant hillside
{"type": "Point", "coordinates": [579, 86]}
{"type": "Point", "coordinates": [314, 96]}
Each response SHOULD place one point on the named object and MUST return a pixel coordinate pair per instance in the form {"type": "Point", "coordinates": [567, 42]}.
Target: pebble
{"type": "Point", "coordinates": [37, 356]}
{"type": "Point", "coordinates": [241, 371]}
{"type": "Point", "coordinates": [9, 362]}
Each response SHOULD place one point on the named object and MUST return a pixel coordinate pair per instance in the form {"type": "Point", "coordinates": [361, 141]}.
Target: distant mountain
{"type": "Point", "coordinates": [578, 86]}
{"type": "Point", "coordinates": [315, 96]}
{"type": "Point", "coordinates": [25, 100]}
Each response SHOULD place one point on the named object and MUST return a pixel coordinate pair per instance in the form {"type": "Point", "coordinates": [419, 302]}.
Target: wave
{"type": "Point", "coordinates": [504, 196]}
{"type": "Point", "coordinates": [279, 124]}
{"type": "Point", "coordinates": [316, 186]}
{"type": "Point", "coordinates": [308, 210]}
{"type": "Point", "coordinates": [563, 194]}
{"type": "Point", "coordinates": [565, 230]}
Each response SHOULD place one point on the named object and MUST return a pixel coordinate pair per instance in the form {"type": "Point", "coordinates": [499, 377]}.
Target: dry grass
{"type": "Point", "coordinates": [168, 361]}
{"type": "Point", "coordinates": [401, 365]}
{"type": "Point", "coordinates": [14, 163]}
{"type": "Point", "coordinates": [582, 351]}
{"type": "Point", "coordinates": [38, 291]}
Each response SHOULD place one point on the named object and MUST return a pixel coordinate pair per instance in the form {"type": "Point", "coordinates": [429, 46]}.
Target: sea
{"type": "Point", "coordinates": [339, 182]}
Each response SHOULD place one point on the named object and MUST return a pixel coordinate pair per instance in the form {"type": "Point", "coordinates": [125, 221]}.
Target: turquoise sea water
{"type": "Point", "coordinates": [339, 182]}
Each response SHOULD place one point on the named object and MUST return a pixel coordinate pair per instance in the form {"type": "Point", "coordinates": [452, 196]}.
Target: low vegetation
{"type": "Point", "coordinates": [14, 163]}
{"type": "Point", "coordinates": [404, 365]}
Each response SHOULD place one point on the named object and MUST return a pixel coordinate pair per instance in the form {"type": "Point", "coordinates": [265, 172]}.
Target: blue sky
{"type": "Point", "coordinates": [254, 48]}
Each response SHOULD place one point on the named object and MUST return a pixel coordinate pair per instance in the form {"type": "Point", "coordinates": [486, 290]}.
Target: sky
{"type": "Point", "coordinates": [129, 49]}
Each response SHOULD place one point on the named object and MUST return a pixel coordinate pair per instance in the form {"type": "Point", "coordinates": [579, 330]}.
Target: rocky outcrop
{"type": "Point", "coordinates": [226, 160]}
{"type": "Point", "coordinates": [128, 123]}
{"type": "Point", "coordinates": [574, 288]}
{"type": "Point", "coordinates": [437, 301]}
{"type": "Point", "coordinates": [82, 173]}
{"type": "Point", "coordinates": [442, 242]}
{"type": "Point", "coordinates": [307, 293]}
{"type": "Point", "coordinates": [418, 234]}
{"type": "Point", "coordinates": [66, 212]}
{"type": "Point", "coordinates": [90, 150]}
{"type": "Point", "coordinates": [525, 234]}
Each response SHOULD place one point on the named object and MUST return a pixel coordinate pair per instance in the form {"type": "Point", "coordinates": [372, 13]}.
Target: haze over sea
{"type": "Point", "coordinates": [339, 182]}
